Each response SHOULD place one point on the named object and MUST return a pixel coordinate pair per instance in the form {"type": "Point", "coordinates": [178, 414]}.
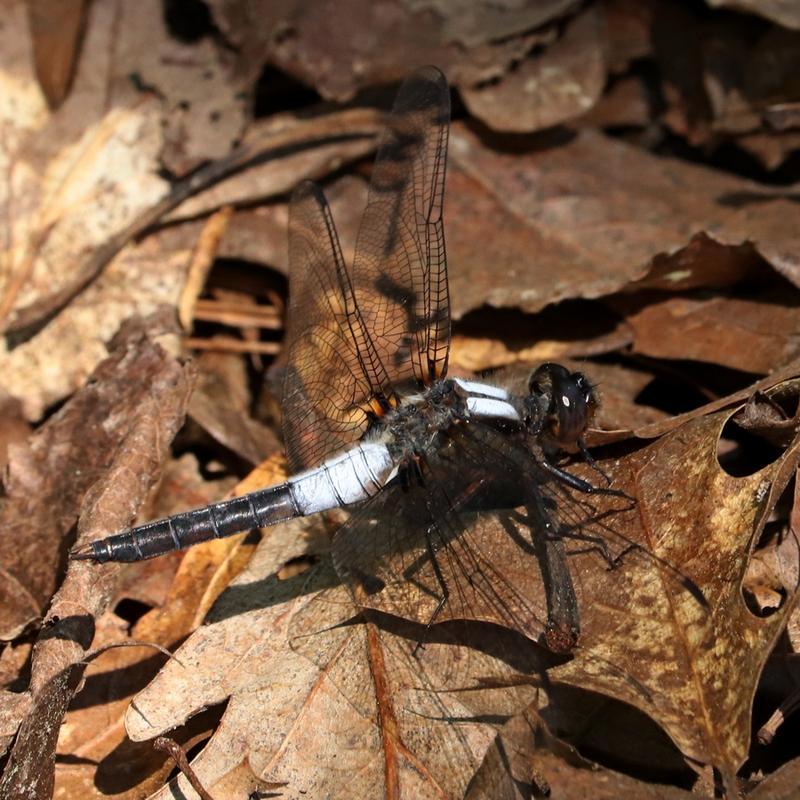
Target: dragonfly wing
{"type": "Point", "coordinates": [431, 552]}
{"type": "Point", "coordinates": [333, 373]}
{"type": "Point", "coordinates": [352, 338]}
{"type": "Point", "coordinates": [400, 269]}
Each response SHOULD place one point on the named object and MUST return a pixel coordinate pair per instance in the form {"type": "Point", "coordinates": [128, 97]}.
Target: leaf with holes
{"type": "Point", "coordinates": [666, 630]}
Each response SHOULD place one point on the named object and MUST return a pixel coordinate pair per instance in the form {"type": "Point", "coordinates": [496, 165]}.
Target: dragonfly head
{"type": "Point", "coordinates": [565, 401]}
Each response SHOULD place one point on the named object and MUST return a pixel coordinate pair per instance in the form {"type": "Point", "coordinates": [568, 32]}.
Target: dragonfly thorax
{"type": "Point", "coordinates": [421, 421]}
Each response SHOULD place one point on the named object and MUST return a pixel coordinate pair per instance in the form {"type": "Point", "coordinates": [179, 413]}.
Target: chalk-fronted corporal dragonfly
{"type": "Point", "coordinates": [372, 421]}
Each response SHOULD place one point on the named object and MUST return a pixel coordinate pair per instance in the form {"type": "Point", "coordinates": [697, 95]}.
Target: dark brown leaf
{"type": "Point", "coordinates": [134, 446]}
{"type": "Point", "coordinates": [319, 44]}
{"type": "Point", "coordinates": [48, 477]}
{"type": "Point", "coordinates": [715, 330]}
{"type": "Point", "coordinates": [587, 215]}
{"type": "Point", "coordinates": [560, 83]}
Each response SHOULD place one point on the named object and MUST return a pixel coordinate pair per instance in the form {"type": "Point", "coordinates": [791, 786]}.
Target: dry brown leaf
{"type": "Point", "coordinates": [104, 762]}
{"type": "Point", "coordinates": [49, 476]}
{"type": "Point", "coordinates": [784, 12]}
{"type": "Point", "coordinates": [279, 701]}
{"type": "Point", "coordinates": [771, 148]}
{"type": "Point", "coordinates": [596, 214]}
{"type": "Point", "coordinates": [14, 707]}
{"type": "Point", "coordinates": [94, 729]}
{"type": "Point", "coordinates": [758, 333]}
{"type": "Point", "coordinates": [59, 359]}
{"type": "Point", "coordinates": [56, 34]}
{"type": "Point", "coordinates": [560, 83]}
{"type": "Point", "coordinates": [781, 784]}
{"type": "Point", "coordinates": [319, 44]}
{"type": "Point", "coordinates": [95, 158]}
{"type": "Point", "coordinates": [217, 409]}
{"type": "Point", "coordinates": [704, 525]}
{"type": "Point", "coordinates": [280, 152]}
{"type": "Point", "coordinates": [133, 456]}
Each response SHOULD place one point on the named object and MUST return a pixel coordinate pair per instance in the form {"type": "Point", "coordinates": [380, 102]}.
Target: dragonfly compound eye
{"type": "Point", "coordinates": [566, 400]}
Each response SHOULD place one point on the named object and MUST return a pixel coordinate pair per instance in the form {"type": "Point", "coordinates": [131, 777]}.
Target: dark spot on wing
{"type": "Point", "coordinates": [397, 293]}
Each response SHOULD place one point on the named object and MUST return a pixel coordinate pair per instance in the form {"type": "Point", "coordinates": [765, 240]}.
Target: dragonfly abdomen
{"type": "Point", "coordinates": [348, 478]}
{"type": "Point", "coordinates": [255, 510]}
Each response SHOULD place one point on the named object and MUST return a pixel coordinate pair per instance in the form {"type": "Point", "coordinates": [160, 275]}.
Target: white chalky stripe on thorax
{"type": "Point", "coordinates": [485, 389]}
{"type": "Point", "coordinates": [489, 407]}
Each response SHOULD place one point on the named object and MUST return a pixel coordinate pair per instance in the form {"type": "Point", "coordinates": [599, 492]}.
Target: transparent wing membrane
{"type": "Point", "coordinates": [353, 337]}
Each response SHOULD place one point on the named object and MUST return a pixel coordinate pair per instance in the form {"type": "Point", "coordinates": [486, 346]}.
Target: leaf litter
{"type": "Point", "coordinates": [599, 239]}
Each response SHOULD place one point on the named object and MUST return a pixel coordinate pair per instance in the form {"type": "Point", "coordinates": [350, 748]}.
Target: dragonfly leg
{"type": "Point", "coordinates": [579, 484]}
{"type": "Point", "coordinates": [589, 458]}
{"type": "Point", "coordinates": [437, 571]}
{"type": "Point", "coordinates": [600, 545]}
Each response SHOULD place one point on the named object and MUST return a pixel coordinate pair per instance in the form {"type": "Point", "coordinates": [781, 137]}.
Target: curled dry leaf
{"type": "Point", "coordinates": [320, 46]}
{"type": "Point", "coordinates": [135, 447]}
{"type": "Point", "coordinates": [595, 211]}
{"type": "Point", "coordinates": [714, 329]}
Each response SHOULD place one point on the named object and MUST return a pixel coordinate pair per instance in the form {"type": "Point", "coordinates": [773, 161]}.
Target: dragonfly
{"type": "Point", "coordinates": [372, 422]}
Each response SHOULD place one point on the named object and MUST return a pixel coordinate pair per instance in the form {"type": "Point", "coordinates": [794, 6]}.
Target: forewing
{"type": "Point", "coordinates": [400, 269]}
{"type": "Point", "coordinates": [333, 372]}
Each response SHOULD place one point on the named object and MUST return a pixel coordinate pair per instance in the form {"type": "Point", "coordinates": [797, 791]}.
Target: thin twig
{"type": "Point", "coordinates": [227, 344]}
{"type": "Point", "coordinates": [236, 315]}
{"type": "Point", "coordinates": [205, 252]}
{"type": "Point", "coordinates": [178, 755]}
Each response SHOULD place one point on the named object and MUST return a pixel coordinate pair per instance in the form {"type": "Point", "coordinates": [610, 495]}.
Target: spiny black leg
{"type": "Point", "coordinates": [579, 484]}
{"type": "Point", "coordinates": [591, 462]}
{"type": "Point", "coordinates": [442, 584]}
{"type": "Point", "coordinates": [599, 544]}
